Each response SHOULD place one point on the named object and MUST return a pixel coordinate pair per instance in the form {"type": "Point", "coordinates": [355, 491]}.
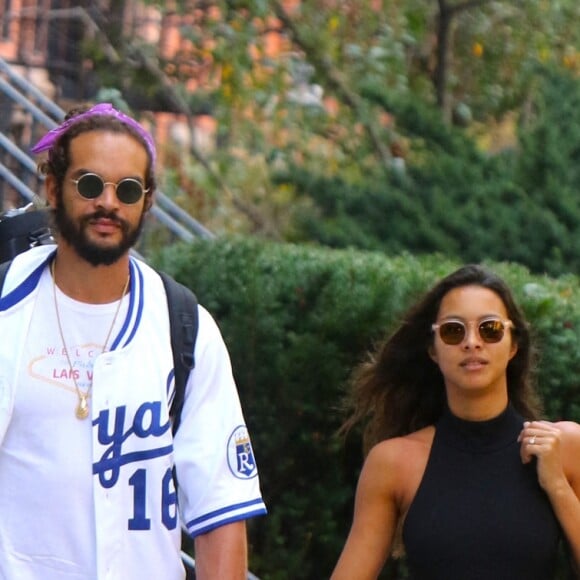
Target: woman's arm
{"type": "Point", "coordinates": [375, 517]}
{"type": "Point", "coordinates": [557, 448]}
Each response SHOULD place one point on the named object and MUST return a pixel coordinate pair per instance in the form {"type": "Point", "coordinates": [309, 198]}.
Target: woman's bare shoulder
{"type": "Point", "coordinates": [570, 435]}
{"type": "Point", "coordinates": [570, 439]}
{"type": "Point", "coordinates": [569, 427]}
{"type": "Point", "coordinates": [405, 449]}
{"type": "Point", "coordinates": [397, 465]}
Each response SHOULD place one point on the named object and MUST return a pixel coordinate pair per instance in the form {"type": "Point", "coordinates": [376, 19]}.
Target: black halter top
{"type": "Point", "coordinates": [479, 513]}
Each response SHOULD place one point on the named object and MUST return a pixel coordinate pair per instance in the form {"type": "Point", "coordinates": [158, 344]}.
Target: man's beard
{"type": "Point", "coordinates": [74, 233]}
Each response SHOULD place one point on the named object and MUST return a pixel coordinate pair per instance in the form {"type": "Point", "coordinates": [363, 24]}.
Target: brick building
{"type": "Point", "coordinates": [41, 40]}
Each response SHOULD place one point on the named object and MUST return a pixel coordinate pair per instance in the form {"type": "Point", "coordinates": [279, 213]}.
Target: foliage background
{"type": "Point", "coordinates": [296, 320]}
{"type": "Point", "coordinates": [424, 126]}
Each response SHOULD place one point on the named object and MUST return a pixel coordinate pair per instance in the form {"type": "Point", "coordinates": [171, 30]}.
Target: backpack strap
{"type": "Point", "coordinates": [3, 271]}
{"type": "Point", "coordinates": [183, 323]}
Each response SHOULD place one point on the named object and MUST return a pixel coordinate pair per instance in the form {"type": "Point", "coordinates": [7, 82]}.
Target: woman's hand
{"type": "Point", "coordinates": [543, 440]}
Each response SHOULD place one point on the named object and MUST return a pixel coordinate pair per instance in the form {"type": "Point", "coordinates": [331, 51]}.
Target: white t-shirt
{"type": "Point", "coordinates": [45, 459]}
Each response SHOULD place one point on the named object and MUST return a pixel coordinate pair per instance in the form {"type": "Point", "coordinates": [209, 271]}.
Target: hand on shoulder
{"type": "Point", "coordinates": [556, 445]}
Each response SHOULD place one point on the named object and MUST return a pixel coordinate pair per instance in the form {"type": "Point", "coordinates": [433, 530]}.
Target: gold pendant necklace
{"type": "Point", "coordinates": [82, 408]}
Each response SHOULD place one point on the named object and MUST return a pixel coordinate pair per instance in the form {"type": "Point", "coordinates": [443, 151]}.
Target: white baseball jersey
{"type": "Point", "coordinates": [95, 498]}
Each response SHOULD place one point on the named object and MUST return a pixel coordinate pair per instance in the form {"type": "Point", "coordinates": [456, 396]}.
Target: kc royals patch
{"type": "Point", "coordinates": [240, 455]}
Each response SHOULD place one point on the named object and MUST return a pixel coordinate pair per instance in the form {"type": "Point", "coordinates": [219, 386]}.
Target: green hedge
{"type": "Point", "coordinates": [296, 320]}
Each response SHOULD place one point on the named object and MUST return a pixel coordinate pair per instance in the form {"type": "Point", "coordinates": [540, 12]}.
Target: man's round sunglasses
{"type": "Point", "coordinates": [490, 330]}
{"type": "Point", "coordinates": [91, 185]}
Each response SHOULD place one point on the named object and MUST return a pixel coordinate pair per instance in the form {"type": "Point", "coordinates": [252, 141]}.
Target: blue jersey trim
{"type": "Point", "coordinates": [127, 322]}
{"type": "Point", "coordinates": [225, 510]}
{"type": "Point", "coordinates": [134, 311]}
{"type": "Point", "coordinates": [25, 288]}
{"type": "Point", "coordinates": [137, 288]}
{"type": "Point", "coordinates": [239, 517]}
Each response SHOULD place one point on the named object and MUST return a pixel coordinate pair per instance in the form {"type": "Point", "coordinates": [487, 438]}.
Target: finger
{"type": "Point", "coordinates": [525, 450]}
{"type": "Point", "coordinates": [541, 427]}
{"type": "Point", "coordinates": [522, 433]}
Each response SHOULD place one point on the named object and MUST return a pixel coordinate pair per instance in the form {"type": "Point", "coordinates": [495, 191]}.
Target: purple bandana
{"type": "Point", "coordinates": [101, 109]}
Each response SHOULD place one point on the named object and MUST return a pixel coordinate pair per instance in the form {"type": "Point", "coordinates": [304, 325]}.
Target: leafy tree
{"type": "Point", "coordinates": [346, 97]}
{"type": "Point", "coordinates": [337, 138]}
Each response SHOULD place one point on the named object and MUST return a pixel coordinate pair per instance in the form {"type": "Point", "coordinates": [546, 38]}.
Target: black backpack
{"type": "Point", "coordinates": [183, 324]}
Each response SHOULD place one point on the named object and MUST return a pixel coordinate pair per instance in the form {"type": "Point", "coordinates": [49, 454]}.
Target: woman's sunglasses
{"type": "Point", "coordinates": [91, 185]}
{"type": "Point", "coordinates": [490, 330]}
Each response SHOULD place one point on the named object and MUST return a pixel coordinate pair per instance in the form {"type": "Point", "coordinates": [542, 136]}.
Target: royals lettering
{"type": "Point", "coordinates": [112, 434]}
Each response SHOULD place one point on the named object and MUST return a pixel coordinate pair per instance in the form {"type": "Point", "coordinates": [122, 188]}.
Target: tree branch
{"type": "Point", "coordinates": [334, 79]}
{"type": "Point", "coordinates": [446, 14]}
{"type": "Point", "coordinates": [452, 10]}
{"type": "Point", "coordinates": [180, 105]}
{"type": "Point", "coordinates": [442, 48]}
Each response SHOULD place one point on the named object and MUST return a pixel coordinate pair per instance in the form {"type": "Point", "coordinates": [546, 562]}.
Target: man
{"type": "Point", "coordinates": [87, 455]}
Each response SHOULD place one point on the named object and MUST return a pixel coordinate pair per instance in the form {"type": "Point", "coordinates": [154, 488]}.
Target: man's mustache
{"type": "Point", "coordinates": [108, 215]}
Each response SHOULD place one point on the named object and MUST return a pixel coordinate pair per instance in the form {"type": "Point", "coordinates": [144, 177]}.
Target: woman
{"type": "Point", "coordinates": [459, 461]}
